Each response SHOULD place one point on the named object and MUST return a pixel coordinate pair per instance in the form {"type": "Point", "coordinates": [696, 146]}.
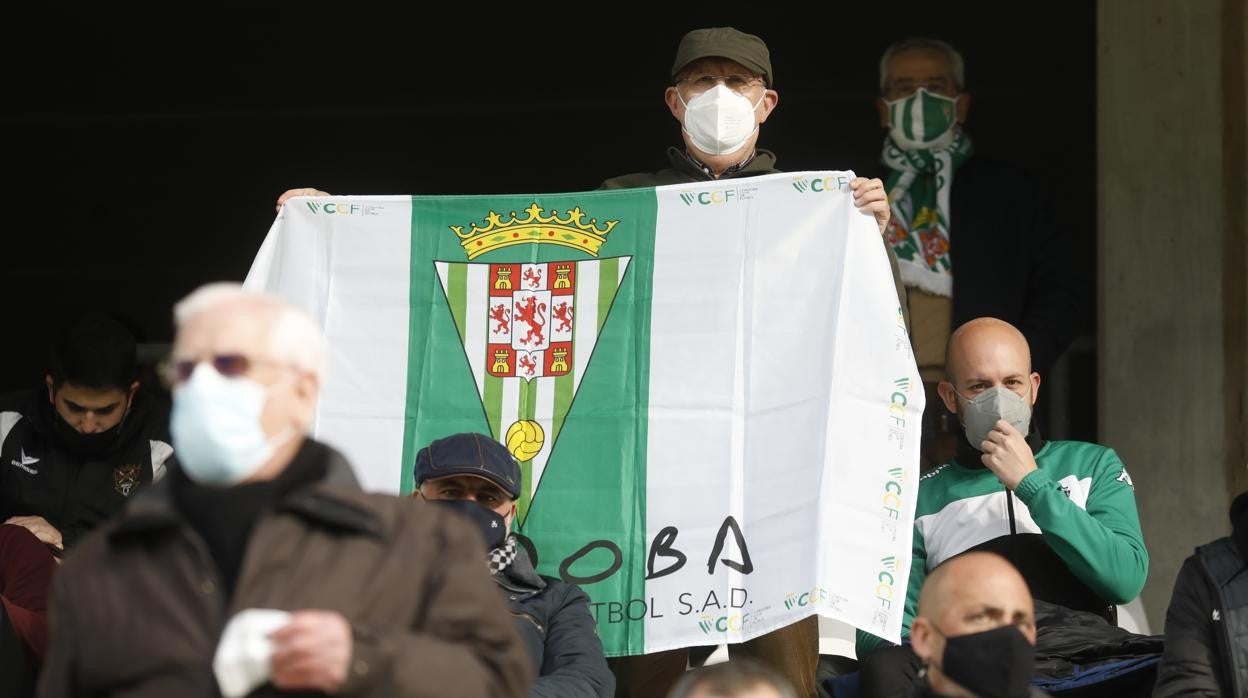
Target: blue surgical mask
{"type": "Point", "coordinates": [216, 428]}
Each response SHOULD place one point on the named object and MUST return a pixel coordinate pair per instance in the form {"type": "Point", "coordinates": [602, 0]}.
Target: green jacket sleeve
{"type": "Point", "coordinates": [864, 642]}
{"type": "Point", "coordinates": [1101, 545]}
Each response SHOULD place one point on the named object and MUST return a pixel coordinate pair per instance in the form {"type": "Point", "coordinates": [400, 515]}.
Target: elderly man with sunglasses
{"type": "Point", "coordinates": [259, 563]}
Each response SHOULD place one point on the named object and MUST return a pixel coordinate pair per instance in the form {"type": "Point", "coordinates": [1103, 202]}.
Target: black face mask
{"type": "Point", "coordinates": [492, 526]}
{"type": "Point", "coordinates": [85, 445]}
{"type": "Point", "coordinates": [997, 663]}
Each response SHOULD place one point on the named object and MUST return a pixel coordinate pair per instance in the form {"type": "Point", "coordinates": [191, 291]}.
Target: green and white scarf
{"type": "Point", "coordinates": [918, 184]}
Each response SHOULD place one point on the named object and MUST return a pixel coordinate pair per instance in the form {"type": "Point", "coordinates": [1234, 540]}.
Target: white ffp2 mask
{"type": "Point", "coordinates": [719, 121]}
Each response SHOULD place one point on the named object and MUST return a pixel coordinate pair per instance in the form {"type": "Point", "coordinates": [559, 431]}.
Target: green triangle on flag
{"type": "Point", "coordinates": [528, 331]}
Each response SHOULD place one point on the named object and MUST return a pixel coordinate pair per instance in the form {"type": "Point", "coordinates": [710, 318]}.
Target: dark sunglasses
{"type": "Point", "coordinates": [229, 365]}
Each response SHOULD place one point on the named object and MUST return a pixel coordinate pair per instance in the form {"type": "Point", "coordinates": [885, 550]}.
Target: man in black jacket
{"type": "Point", "coordinates": [76, 448]}
{"type": "Point", "coordinates": [973, 238]}
{"type": "Point", "coordinates": [71, 453]}
{"type": "Point", "coordinates": [1207, 621]}
{"type": "Point", "coordinates": [477, 476]}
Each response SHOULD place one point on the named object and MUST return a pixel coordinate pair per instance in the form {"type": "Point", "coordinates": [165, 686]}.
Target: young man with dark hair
{"type": "Point", "coordinates": [72, 451]}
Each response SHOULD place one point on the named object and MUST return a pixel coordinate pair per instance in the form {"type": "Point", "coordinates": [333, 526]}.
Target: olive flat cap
{"type": "Point", "coordinates": [724, 42]}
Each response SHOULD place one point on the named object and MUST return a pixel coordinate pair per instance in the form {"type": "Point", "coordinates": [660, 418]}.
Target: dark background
{"type": "Point", "coordinates": [144, 150]}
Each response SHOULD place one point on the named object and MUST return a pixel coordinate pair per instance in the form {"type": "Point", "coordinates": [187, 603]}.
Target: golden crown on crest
{"type": "Point", "coordinates": [571, 230]}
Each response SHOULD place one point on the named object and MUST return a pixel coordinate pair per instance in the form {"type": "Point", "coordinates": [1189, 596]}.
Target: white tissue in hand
{"type": "Point", "coordinates": [242, 660]}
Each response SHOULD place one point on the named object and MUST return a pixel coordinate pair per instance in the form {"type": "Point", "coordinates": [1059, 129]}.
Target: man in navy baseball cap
{"type": "Point", "coordinates": [478, 478]}
{"type": "Point", "coordinates": [469, 466]}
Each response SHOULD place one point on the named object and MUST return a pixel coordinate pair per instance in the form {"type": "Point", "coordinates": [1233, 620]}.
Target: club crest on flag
{"type": "Point", "coordinates": [529, 330]}
{"type": "Point", "coordinates": [532, 308]}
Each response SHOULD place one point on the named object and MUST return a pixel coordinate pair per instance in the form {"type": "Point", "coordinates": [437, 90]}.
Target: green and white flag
{"type": "Point", "coordinates": [709, 386]}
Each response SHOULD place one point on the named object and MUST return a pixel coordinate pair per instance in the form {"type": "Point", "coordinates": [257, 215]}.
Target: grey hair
{"type": "Point", "coordinates": [956, 65]}
{"type": "Point", "coordinates": [293, 336]}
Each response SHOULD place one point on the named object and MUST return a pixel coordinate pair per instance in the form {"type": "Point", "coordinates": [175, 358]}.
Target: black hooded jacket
{"type": "Point", "coordinates": [41, 474]}
{"type": "Point", "coordinates": [1207, 620]}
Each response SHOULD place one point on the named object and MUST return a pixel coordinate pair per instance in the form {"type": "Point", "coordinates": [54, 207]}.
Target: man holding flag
{"type": "Point", "coordinates": [722, 91]}
{"type": "Point", "coordinates": [595, 335]}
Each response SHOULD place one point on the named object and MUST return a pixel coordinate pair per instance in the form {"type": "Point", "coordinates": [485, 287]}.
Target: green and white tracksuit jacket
{"type": "Point", "coordinates": [1071, 527]}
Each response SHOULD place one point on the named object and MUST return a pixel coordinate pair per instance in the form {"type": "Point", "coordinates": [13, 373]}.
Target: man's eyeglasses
{"type": "Point", "coordinates": [698, 84]}
{"type": "Point", "coordinates": [228, 365]}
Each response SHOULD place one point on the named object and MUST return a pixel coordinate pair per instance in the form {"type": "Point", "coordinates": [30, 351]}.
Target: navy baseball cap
{"type": "Point", "coordinates": [469, 454]}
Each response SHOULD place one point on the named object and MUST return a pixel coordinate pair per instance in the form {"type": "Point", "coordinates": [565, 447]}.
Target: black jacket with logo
{"type": "Point", "coordinates": [40, 477]}
{"type": "Point", "coordinates": [553, 618]}
{"type": "Point", "coordinates": [1206, 624]}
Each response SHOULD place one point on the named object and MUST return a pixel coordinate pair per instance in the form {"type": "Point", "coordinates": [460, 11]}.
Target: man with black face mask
{"type": "Point", "coordinates": [1062, 512]}
{"type": "Point", "coordinates": [477, 476]}
{"type": "Point", "coordinates": [71, 453]}
{"type": "Point", "coordinates": [975, 630]}
{"type": "Point", "coordinates": [74, 450]}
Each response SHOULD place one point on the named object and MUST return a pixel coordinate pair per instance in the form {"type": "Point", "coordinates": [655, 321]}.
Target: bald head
{"type": "Point", "coordinates": [740, 677]}
{"type": "Point", "coordinates": [984, 340]}
{"type": "Point", "coordinates": [974, 580]}
{"type": "Point", "coordinates": [968, 594]}
{"type": "Point", "coordinates": [985, 353]}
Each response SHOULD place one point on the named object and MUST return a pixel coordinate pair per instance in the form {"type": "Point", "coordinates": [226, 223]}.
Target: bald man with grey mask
{"type": "Point", "coordinates": [1062, 512]}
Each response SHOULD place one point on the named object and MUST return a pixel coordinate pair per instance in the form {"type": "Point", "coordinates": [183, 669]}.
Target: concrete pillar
{"type": "Point", "coordinates": [1235, 261]}
{"type": "Point", "coordinates": [1172, 266]}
